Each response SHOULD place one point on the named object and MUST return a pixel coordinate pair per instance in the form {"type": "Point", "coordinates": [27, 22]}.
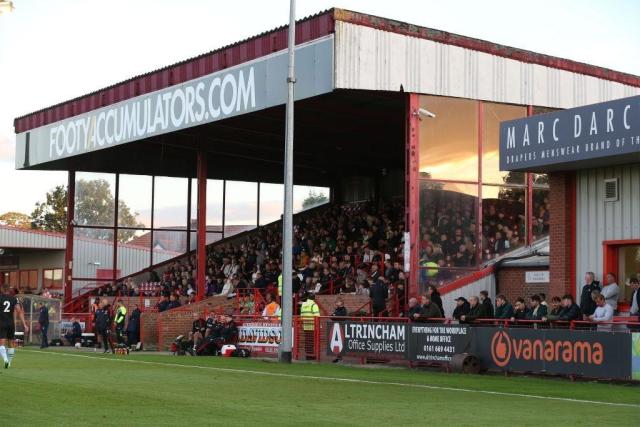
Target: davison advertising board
{"type": "Point", "coordinates": [262, 337]}
{"type": "Point", "coordinates": [367, 339]}
{"type": "Point", "coordinates": [589, 136]}
{"type": "Point", "coordinates": [555, 351]}
{"type": "Point", "coordinates": [251, 86]}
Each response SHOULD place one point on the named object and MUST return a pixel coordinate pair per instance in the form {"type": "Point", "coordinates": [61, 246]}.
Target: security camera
{"type": "Point", "coordinates": [425, 113]}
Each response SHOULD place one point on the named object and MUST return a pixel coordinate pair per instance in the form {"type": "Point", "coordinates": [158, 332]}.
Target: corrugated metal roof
{"type": "Point", "coordinates": [13, 237]}
{"type": "Point", "coordinates": [307, 29]}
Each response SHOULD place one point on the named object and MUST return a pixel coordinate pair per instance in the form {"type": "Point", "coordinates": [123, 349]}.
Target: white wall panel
{"type": "Point", "coordinates": [367, 58]}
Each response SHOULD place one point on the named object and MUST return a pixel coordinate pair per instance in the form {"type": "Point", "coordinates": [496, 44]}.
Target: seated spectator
{"type": "Point", "coordinates": [162, 304]}
{"type": "Point", "coordinates": [603, 314]}
{"type": "Point", "coordinates": [477, 310]}
{"type": "Point", "coordinates": [174, 302]}
{"type": "Point", "coordinates": [570, 310]}
{"type": "Point", "coordinates": [556, 309]}
{"type": "Point", "coordinates": [486, 301]}
{"type": "Point", "coordinates": [75, 334]}
{"type": "Point", "coordinates": [229, 332]}
{"type": "Point", "coordinates": [198, 330]}
{"type": "Point", "coordinates": [504, 310]}
{"type": "Point", "coordinates": [537, 311]}
{"type": "Point", "coordinates": [429, 310]}
{"type": "Point", "coordinates": [520, 310]}
{"type": "Point", "coordinates": [462, 308]}
{"type": "Point", "coordinates": [272, 308]}
{"type": "Point", "coordinates": [247, 305]}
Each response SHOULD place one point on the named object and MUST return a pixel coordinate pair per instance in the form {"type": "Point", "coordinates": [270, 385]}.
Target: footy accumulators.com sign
{"type": "Point", "coordinates": [367, 339]}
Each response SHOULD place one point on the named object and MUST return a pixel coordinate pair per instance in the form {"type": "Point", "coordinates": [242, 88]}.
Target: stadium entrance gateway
{"type": "Point", "coordinates": [592, 155]}
{"type": "Point", "coordinates": [195, 146]}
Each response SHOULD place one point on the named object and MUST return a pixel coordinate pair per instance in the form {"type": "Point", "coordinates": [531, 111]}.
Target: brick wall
{"type": "Point", "coordinates": [327, 303]}
{"type": "Point", "coordinates": [159, 330]}
{"type": "Point", "coordinates": [511, 283]}
{"type": "Point", "coordinates": [561, 232]}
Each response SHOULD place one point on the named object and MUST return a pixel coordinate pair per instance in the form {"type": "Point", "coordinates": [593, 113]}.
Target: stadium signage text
{"type": "Point", "coordinates": [565, 138]}
{"type": "Point", "coordinates": [437, 343]}
{"type": "Point", "coordinates": [260, 336]}
{"type": "Point", "coordinates": [237, 90]}
{"type": "Point", "coordinates": [351, 338]}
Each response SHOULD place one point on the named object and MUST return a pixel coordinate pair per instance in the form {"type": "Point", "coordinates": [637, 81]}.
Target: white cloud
{"type": "Point", "coordinates": [7, 148]}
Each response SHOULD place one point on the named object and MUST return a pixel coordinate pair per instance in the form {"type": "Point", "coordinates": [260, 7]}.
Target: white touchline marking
{"type": "Point", "coordinates": [345, 380]}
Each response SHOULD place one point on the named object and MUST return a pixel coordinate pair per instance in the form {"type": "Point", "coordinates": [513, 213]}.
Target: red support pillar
{"type": "Point", "coordinates": [202, 225]}
{"type": "Point", "coordinates": [68, 253]}
{"type": "Point", "coordinates": [412, 187]}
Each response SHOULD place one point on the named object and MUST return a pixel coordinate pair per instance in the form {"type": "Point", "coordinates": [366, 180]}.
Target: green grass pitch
{"type": "Point", "coordinates": [76, 388]}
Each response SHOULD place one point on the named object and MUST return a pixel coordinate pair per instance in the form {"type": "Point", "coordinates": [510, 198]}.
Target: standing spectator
{"type": "Point", "coordinates": [520, 310]}
{"type": "Point", "coordinates": [602, 314]}
{"type": "Point", "coordinates": [414, 310]}
{"type": "Point", "coordinates": [587, 305]}
{"type": "Point", "coordinates": [486, 301]}
{"type": "Point", "coordinates": [504, 310]}
{"type": "Point", "coordinates": [119, 320]}
{"type": "Point", "coordinates": [537, 311]}
{"type": "Point", "coordinates": [434, 294]}
{"type": "Point", "coordinates": [379, 294]}
{"type": "Point", "coordinates": [462, 308]}
{"type": "Point", "coordinates": [429, 309]}
{"type": "Point", "coordinates": [340, 310]}
{"type": "Point", "coordinates": [635, 297]}
{"type": "Point", "coordinates": [610, 292]}
{"type": "Point", "coordinates": [477, 311]}
{"type": "Point", "coordinates": [43, 320]}
{"type": "Point", "coordinates": [133, 327]}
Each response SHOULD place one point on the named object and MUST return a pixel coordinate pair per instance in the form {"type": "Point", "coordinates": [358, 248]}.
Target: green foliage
{"type": "Point", "coordinates": [51, 214]}
{"type": "Point", "coordinates": [15, 219]}
{"type": "Point", "coordinates": [314, 199]}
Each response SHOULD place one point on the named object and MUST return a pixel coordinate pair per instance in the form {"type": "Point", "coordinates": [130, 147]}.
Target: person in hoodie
{"type": "Point", "coordinates": [462, 308]}
{"type": "Point", "coordinates": [486, 301]}
{"type": "Point", "coordinates": [504, 310]}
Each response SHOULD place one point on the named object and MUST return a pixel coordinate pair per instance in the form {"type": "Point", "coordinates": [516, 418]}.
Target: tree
{"type": "Point", "coordinates": [94, 206]}
{"type": "Point", "coordinates": [51, 214]}
{"type": "Point", "coordinates": [15, 219]}
{"type": "Point", "coordinates": [314, 199]}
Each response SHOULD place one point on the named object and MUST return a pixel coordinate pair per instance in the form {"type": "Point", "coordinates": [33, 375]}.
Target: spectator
{"type": "Point", "coordinates": [434, 294]}
{"type": "Point", "coordinates": [610, 292]}
{"type": "Point", "coordinates": [379, 292]}
{"type": "Point", "coordinates": [162, 304]}
{"type": "Point", "coordinates": [520, 310]}
{"type": "Point", "coordinates": [570, 310]}
{"type": "Point", "coordinates": [414, 309]}
{"type": "Point", "coordinates": [429, 310]}
{"type": "Point", "coordinates": [602, 314]}
{"type": "Point", "coordinates": [486, 301]}
{"type": "Point", "coordinates": [635, 297]}
{"type": "Point", "coordinates": [537, 310]}
{"type": "Point", "coordinates": [504, 310]}
{"type": "Point", "coordinates": [462, 308]}
{"type": "Point", "coordinates": [543, 300]}
{"type": "Point", "coordinates": [556, 309]}
{"type": "Point", "coordinates": [587, 305]}
{"type": "Point", "coordinates": [340, 310]}
{"type": "Point", "coordinates": [174, 302]}
{"type": "Point", "coordinates": [477, 311]}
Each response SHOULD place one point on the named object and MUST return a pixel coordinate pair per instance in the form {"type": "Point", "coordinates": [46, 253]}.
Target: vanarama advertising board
{"type": "Point", "coordinates": [555, 351]}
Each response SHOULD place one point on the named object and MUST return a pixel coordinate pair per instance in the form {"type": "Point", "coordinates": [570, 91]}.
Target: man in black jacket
{"type": "Point", "coordinates": [486, 301]}
{"type": "Point", "coordinates": [570, 310]}
{"type": "Point", "coordinates": [462, 308]}
{"type": "Point", "coordinates": [103, 324]}
{"type": "Point", "coordinates": [43, 320]}
{"type": "Point", "coordinates": [379, 294]}
{"type": "Point", "coordinates": [587, 304]}
{"type": "Point", "coordinates": [414, 310]}
{"type": "Point", "coordinates": [133, 327]}
{"type": "Point", "coordinates": [341, 310]}
{"type": "Point", "coordinates": [476, 311]}
{"type": "Point", "coordinates": [429, 309]}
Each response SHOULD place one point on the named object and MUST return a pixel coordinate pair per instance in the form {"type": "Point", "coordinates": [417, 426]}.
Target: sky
{"type": "Point", "coordinates": [52, 51]}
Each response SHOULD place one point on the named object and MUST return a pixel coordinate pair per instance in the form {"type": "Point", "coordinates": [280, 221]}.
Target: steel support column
{"type": "Point", "coordinates": [68, 253]}
{"type": "Point", "coordinates": [202, 225]}
{"type": "Point", "coordinates": [412, 187]}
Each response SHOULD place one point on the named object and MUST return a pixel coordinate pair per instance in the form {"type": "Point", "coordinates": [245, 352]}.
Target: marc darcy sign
{"type": "Point", "coordinates": [238, 90]}
{"type": "Point", "coordinates": [564, 139]}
